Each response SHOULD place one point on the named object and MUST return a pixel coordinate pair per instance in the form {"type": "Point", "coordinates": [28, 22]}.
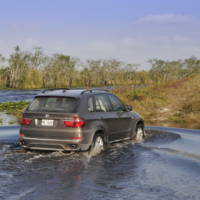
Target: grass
{"type": "Point", "coordinates": [14, 108]}
{"type": "Point", "coordinates": [174, 103]}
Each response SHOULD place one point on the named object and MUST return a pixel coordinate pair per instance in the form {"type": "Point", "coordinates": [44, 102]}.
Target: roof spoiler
{"type": "Point", "coordinates": [52, 89]}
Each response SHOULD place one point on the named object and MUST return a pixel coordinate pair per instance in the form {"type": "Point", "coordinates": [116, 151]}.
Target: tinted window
{"type": "Point", "coordinates": [102, 103]}
{"type": "Point", "coordinates": [116, 103]}
{"type": "Point", "coordinates": [90, 105]}
{"type": "Point", "coordinates": [54, 104]}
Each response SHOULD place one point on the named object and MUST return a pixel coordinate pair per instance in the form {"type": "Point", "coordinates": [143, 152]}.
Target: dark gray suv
{"type": "Point", "coordinates": [78, 120]}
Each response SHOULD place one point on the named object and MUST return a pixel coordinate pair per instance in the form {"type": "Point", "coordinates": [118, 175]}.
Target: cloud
{"type": "Point", "coordinates": [165, 19]}
{"type": "Point", "coordinates": [149, 42]}
{"type": "Point", "coordinates": [137, 49]}
{"type": "Point", "coordinates": [164, 47]}
{"type": "Point", "coordinates": [133, 49]}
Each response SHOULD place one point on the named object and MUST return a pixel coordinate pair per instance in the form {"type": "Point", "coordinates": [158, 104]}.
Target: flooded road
{"type": "Point", "coordinates": [166, 166]}
{"type": "Point", "coordinates": [17, 95]}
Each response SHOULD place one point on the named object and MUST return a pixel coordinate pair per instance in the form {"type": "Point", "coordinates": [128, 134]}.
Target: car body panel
{"type": "Point", "coordinates": [114, 125]}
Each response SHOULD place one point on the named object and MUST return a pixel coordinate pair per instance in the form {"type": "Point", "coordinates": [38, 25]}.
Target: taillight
{"type": "Point", "coordinates": [25, 121]}
{"type": "Point", "coordinates": [21, 135]}
{"type": "Point", "coordinates": [77, 122]}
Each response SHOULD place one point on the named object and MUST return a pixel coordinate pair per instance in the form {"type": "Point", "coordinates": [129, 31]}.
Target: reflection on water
{"type": "Point", "coordinates": [124, 171]}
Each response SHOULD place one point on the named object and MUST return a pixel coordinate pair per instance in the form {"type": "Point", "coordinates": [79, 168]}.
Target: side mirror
{"type": "Point", "coordinates": [129, 107]}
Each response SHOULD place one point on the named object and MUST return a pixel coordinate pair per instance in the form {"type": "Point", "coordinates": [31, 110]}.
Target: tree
{"type": "Point", "coordinates": [165, 70]}
{"type": "Point", "coordinates": [18, 68]}
{"type": "Point", "coordinates": [60, 71]}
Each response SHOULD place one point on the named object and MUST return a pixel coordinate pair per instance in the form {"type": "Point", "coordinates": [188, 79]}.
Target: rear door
{"type": "Point", "coordinates": [124, 118]}
{"type": "Point", "coordinates": [110, 119]}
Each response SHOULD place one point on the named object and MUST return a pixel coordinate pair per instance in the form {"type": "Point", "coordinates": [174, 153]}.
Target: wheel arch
{"type": "Point", "coordinates": [140, 123]}
{"type": "Point", "coordinates": [101, 132]}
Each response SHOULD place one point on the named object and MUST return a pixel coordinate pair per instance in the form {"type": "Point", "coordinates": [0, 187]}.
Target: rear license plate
{"type": "Point", "coordinates": [47, 122]}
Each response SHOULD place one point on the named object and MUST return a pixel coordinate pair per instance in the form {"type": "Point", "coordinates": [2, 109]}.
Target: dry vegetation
{"type": "Point", "coordinates": [175, 103]}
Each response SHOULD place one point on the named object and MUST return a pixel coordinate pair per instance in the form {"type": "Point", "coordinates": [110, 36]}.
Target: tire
{"type": "Point", "coordinates": [139, 137]}
{"type": "Point", "coordinates": [98, 145]}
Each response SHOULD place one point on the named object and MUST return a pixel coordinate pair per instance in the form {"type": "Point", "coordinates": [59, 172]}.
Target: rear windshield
{"type": "Point", "coordinates": [54, 104]}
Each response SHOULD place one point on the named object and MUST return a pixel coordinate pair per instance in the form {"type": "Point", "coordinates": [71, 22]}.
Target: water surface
{"type": "Point", "coordinates": [166, 166]}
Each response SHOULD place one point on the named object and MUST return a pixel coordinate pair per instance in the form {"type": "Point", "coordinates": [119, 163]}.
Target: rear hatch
{"type": "Point", "coordinates": [50, 117]}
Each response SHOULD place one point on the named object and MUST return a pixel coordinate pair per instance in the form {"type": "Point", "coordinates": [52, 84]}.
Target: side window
{"type": "Point", "coordinates": [102, 103]}
{"type": "Point", "coordinates": [116, 103]}
{"type": "Point", "coordinates": [90, 105]}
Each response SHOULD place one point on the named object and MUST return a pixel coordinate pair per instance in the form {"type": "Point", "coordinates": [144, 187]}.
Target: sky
{"type": "Point", "coordinates": [133, 31]}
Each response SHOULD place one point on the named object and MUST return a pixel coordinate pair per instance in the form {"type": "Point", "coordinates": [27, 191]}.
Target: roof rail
{"type": "Point", "coordinates": [94, 89]}
{"type": "Point", "coordinates": [52, 89]}
{"type": "Point", "coordinates": [86, 90]}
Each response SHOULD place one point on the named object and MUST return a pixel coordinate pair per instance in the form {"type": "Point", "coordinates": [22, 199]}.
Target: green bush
{"type": "Point", "coordinates": [14, 108]}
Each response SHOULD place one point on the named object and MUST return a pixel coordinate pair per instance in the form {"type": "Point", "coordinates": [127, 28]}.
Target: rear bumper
{"type": "Point", "coordinates": [53, 144]}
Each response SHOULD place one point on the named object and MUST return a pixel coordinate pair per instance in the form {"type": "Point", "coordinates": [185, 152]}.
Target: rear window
{"type": "Point", "coordinates": [54, 104]}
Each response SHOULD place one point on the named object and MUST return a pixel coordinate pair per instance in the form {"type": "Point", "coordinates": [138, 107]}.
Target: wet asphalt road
{"type": "Point", "coordinates": [166, 166]}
